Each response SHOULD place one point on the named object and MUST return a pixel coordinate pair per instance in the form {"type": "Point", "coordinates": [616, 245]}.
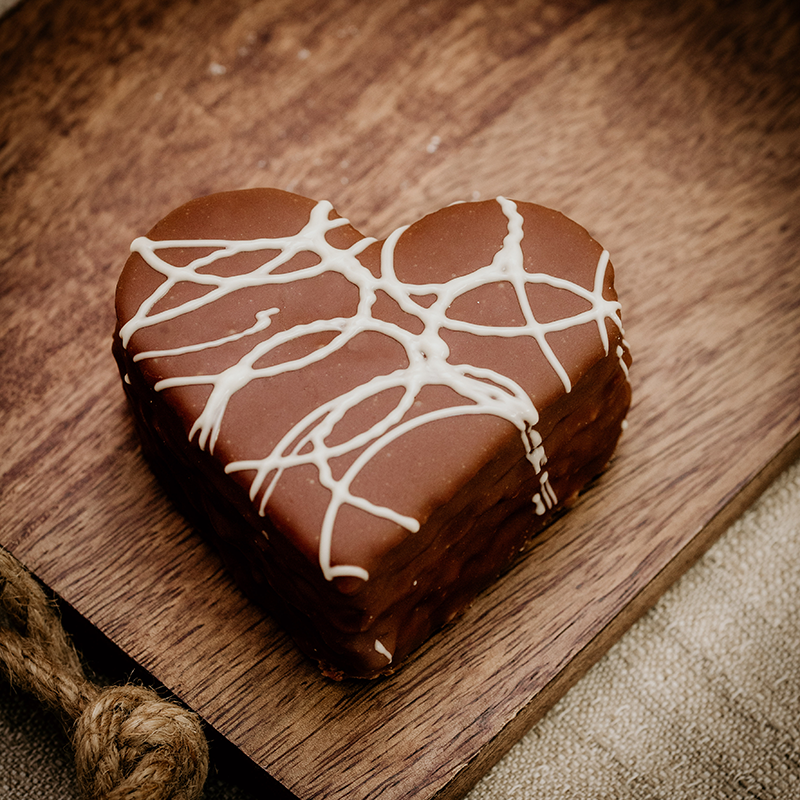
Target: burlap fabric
{"type": "Point", "coordinates": [700, 699]}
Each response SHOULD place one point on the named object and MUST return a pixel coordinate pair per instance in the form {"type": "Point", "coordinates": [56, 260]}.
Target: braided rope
{"type": "Point", "coordinates": [129, 743]}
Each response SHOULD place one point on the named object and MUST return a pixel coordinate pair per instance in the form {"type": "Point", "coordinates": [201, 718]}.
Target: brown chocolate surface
{"type": "Point", "coordinates": [464, 478]}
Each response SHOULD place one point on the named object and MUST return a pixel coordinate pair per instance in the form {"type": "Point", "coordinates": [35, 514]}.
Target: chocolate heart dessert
{"type": "Point", "coordinates": [371, 431]}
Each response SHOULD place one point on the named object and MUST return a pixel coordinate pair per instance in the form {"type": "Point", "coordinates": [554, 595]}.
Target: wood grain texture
{"type": "Point", "coordinates": [672, 135]}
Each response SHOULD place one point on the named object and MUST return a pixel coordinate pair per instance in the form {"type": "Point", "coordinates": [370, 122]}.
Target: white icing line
{"type": "Point", "coordinates": [485, 391]}
{"type": "Point", "coordinates": [382, 650]}
{"type": "Point", "coordinates": [310, 239]}
{"type": "Point", "coordinates": [621, 357]}
{"type": "Point", "coordinates": [263, 319]}
{"type": "Point", "coordinates": [546, 499]}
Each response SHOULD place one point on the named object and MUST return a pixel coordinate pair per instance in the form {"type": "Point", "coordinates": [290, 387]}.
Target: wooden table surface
{"type": "Point", "coordinates": [673, 136]}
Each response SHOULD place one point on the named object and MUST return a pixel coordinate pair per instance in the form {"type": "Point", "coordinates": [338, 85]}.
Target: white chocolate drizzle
{"type": "Point", "coordinates": [546, 499]}
{"type": "Point", "coordinates": [379, 648]}
{"type": "Point", "coordinates": [485, 391]}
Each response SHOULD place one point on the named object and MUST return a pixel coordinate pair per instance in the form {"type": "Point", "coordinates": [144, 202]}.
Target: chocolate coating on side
{"type": "Point", "coordinates": [374, 586]}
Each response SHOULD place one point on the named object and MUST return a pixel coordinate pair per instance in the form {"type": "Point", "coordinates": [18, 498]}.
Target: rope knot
{"type": "Point", "coordinates": [129, 743]}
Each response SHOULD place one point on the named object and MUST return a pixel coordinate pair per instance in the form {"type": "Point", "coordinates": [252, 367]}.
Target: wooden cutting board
{"type": "Point", "coordinates": [673, 136]}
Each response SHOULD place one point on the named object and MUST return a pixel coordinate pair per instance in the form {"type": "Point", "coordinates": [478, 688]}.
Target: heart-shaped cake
{"type": "Point", "coordinates": [370, 430]}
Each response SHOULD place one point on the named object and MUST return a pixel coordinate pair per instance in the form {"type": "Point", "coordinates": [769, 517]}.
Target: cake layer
{"type": "Point", "coordinates": [371, 430]}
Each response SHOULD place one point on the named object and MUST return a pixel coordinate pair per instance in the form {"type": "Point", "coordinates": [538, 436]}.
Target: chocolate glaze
{"type": "Point", "coordinates": [466, 479]}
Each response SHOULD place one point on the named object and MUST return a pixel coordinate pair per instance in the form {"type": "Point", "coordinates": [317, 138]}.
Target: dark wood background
{"type": "Point", "coordinates": [672, 134]}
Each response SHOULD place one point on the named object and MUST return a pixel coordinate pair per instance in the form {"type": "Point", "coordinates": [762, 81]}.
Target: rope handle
{"type": "Point", "coordinates": [129, 743]}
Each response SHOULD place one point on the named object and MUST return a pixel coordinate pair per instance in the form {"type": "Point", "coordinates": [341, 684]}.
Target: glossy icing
{"type": "Point", "coordinates": [484, 391]}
